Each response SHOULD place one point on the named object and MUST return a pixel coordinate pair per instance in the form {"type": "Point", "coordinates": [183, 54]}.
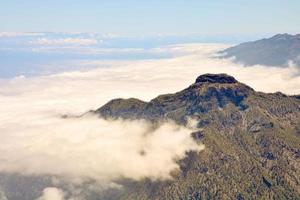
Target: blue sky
{"type": "Point", "coordinates": [141, 17]}
{"type": "Point", "coordinates": [132, 28]}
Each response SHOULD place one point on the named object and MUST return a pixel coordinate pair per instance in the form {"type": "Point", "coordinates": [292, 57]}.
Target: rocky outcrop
{"type": "Point", "coordinates": [215, 78]}
{"type": "Point", "coordinates": [297, 96]}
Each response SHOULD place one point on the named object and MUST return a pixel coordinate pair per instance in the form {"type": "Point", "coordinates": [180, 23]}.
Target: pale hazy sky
{"type": "Point", "coordinates": [140, 17]}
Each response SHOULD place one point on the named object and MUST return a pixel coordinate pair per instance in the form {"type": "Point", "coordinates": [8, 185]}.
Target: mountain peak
{"type": "Point", "coordinates": [285, 36]}
{"type": "Point", "coordinates": [216, 78]}
{"type": "Point", "coordinates": [275, 51]}
{"type": "Point", "coordinates": [282, 36]}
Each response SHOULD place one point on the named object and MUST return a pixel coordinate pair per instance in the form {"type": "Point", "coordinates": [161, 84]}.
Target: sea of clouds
{"type": "Point", "coordinates": [37, 141]}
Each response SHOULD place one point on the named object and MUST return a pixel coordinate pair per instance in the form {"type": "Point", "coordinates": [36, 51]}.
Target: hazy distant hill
{"type": "Point", "coordinates": [252, 141]}
{"type": "Point", "coordinates": [275, 51]}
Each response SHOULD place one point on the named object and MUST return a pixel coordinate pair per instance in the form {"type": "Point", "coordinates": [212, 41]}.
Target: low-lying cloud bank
{"type": "Point", "coordinates": [91, 148]}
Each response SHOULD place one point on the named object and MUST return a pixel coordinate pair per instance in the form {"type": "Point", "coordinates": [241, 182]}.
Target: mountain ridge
{"type": "Point", "coordinates": [278, 50]}
{"type": "Point", "coordinates": [251, 138]}
{"type": "Point", "coordinates": [233, 92]}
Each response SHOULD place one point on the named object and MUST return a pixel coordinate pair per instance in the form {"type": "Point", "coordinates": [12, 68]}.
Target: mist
{"type": "Point", "coordinates": [92, 148]}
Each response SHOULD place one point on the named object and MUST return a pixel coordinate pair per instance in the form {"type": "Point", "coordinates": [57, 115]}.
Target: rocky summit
{"type": "Point", "coordinates": [252, 142]}
{"type": "Point", "coordinates": [216, 78]}
{"type": "Point", "coordinates": [210, 92]}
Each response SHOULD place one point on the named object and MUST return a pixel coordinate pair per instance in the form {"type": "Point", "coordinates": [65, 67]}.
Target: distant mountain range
{"type": "Point", "coordinates": [275, 51]}
{"type": "Point", "coordinates": [252, 141]}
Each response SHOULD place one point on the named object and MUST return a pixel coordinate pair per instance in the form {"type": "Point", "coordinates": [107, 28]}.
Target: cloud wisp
{"type": "Point", "coordinates": [20, 34]}
{"type": "Point", "coordinates": [64, 41]}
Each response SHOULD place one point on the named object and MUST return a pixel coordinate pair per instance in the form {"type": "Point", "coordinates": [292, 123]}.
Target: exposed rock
{"type": "Point", "coordinates": [198, 135]}
{"type": "Point", "coordinates": [297, 96]}
{"type": "Point", "coordinates": [266, 182]}
{"type": "Point", "coordinates": [215, 78]}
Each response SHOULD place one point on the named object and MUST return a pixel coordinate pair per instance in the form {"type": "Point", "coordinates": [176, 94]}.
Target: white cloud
{"type": "Point", "coordinates": [19, 34]}
{"type": "Point", "coordinates": [93, 148]}
{"type": "Point", "coordinates": [52, 193]}
{"type": "Point", "coordinates": [83, 50]}
{"type": "Point", "coordinates": [64, 41]}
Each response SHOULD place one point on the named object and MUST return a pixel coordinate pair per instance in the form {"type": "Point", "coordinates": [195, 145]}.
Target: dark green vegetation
{"type": "Point", "coordinates": [275, 51]}
{"type": "Point", "coordinates": [252, 142]}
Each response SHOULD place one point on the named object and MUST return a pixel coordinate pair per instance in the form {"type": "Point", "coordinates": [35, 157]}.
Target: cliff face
{"type": "Point", "coordinates": [252, 141]}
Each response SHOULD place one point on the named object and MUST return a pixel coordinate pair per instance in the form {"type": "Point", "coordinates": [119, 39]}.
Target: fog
{"type": "Point", "coordinates": [93, 148]}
